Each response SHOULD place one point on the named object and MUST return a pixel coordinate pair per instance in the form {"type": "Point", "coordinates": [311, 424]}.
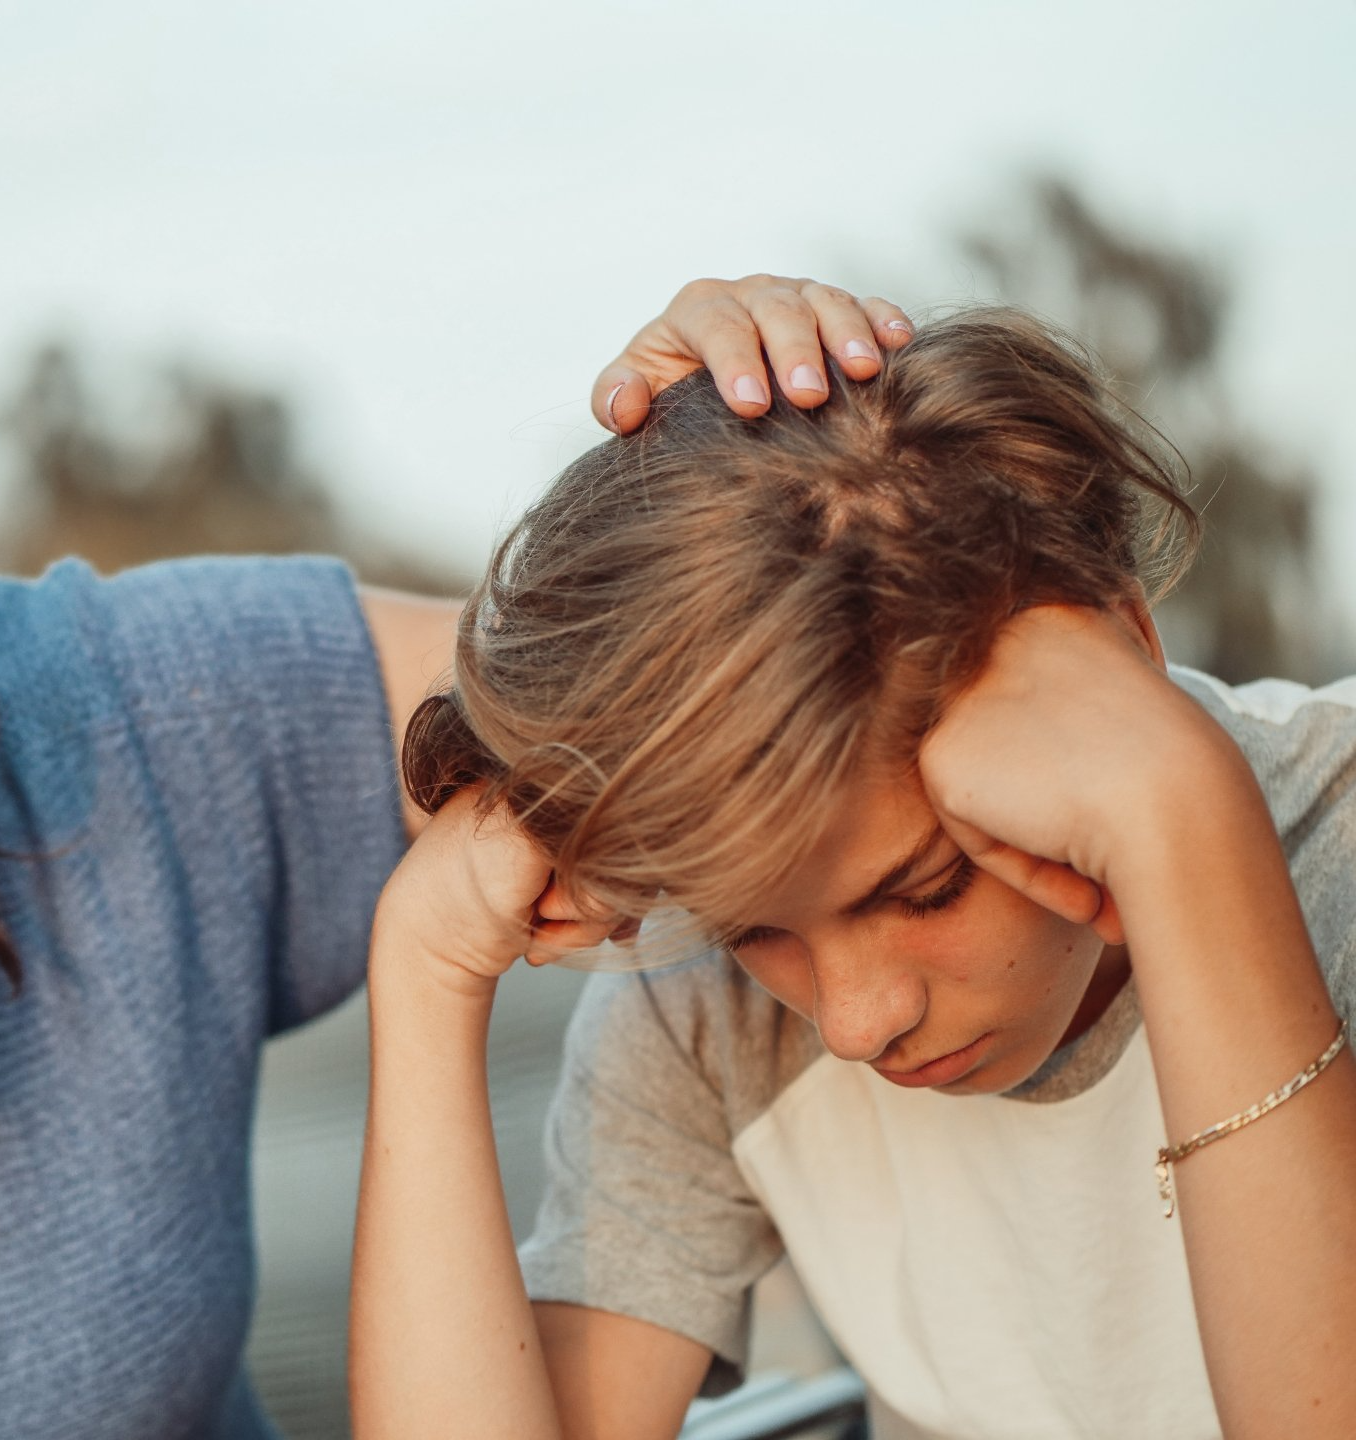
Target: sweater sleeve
{"type": "Point", "coordinates": [200, 752]}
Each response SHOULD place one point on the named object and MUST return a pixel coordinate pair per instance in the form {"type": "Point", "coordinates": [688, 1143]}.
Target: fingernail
{"type": "Point", "coordinates": [806, 377]}
{"type": "Point", "coordinates": [750, 391]}
{"type": "Point", "coordinates": [859, 350]}
{"type": "Point", "coordinates": [899, 325]}
{"type": "Point", "coordinates": [612, 400]}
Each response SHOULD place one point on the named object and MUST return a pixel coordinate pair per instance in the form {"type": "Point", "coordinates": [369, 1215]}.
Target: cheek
{"type": "Point", "coordinates": [781, 969]}
{"type": "Point", "coordinates": [1054, 963]}
{"type": "Point", "coordinates": [1029, 948]}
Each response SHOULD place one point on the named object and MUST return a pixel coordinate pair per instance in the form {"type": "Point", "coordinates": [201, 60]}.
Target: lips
{"type": "Point", "coordinates": [944, 1070]}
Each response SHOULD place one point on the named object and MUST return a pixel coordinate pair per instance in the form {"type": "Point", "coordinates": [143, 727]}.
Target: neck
{"type": "Point", "coordinates": [1108, 980]}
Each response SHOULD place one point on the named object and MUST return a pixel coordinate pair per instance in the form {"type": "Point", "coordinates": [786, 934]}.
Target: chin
{"type": "Point", "coordinates": [999, 1073]}
{"type": "Point", "coordinates": [982, 1082]}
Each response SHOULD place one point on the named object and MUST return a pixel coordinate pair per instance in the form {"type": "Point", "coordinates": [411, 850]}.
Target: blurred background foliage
{"type": "Point", "coordinates": [1256, 602]}
{"type": "Point", "coordinates": [179, 458]}
{"type": "Point", "coordinates": [198, 463]}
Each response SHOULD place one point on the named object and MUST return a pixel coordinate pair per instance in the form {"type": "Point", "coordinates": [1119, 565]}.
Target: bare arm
{"type": "Point", "coordinates": [613, 1376]}
{"type": "Point", "coordinates": [1127, 784]}
{"type": "Point", "coordinates": [1235, 1005]}
{"type": "Point", "coordinates": [443, 1340]}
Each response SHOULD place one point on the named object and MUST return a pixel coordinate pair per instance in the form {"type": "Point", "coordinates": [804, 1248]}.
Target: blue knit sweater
{"type": "Point", "coordinates": [198, 808]}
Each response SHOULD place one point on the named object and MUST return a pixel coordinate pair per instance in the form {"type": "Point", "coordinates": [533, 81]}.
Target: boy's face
{"type": "Point", "coordinates": [908, 957]}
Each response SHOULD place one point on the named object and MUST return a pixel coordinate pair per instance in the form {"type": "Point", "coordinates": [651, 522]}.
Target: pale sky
{"type": "Point", "coordinates": [431, 223]}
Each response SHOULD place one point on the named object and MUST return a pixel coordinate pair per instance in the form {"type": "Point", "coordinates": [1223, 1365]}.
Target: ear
{"type": "Point", "coordinates": [1133, 612]}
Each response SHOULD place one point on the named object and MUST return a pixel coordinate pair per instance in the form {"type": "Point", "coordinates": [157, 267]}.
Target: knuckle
{"type": "Point", "coordinates": [700, 291]}
{"type": "Point", "coordinates": [787, 302]}
{"type": "Point", "coordinates": [723, 319]}
{"type": "Point", "coordinates": [760, 281]}
{"type": "Point", "coordinates": [829, 294]}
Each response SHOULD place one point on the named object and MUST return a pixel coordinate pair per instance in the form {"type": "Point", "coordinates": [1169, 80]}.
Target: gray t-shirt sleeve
{"type": "Point", "coordinates": [1301, 745]}
{"type": "Point", "coordinates": [646, 1213]}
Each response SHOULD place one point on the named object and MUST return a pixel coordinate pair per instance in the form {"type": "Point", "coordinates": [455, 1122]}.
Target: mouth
{"type": "Point", "coordinates": [944, 1070]}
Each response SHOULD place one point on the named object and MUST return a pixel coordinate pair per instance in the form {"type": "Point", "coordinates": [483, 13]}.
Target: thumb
{"type": "Point", "coordinates": [621, 399]}
{"type": "Point", "coordinates": [1107, 922]}
{"type": "Point", "coordinates": [554, 940]}
{"type": "Point", "coordinates": [1051, 884]}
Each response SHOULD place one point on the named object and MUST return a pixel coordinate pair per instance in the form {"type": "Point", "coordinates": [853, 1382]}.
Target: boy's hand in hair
{"type": "Point", "coordinates": [738, 330]}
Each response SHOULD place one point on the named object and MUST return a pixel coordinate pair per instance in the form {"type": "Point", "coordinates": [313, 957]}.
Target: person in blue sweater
{"type": "Point", "coordinates": [198, 809]}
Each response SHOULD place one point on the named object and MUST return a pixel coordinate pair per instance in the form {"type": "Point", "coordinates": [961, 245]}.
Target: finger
{"type": "Point", "coordinates": [845, 332]}
{"type": "Point", "coordinates": [1049, 884]}
{"type": "Point", "coordinates": [553, 939]}
{"type": "Point", "coordinates": [1057, 888]}
{"type": "Point", "coordinates": [789, 331]}
{"type": "Point", "coordinates": [1107, 922]}
{"type": "Point", "coordinates": [891, 326]}
{"type": "Point", "coordinates": [554, 904]}
{"type": "Point", "coordinates": [720, 333]}
{"type": "Point", "coordinates": [557, 903]}
{"type": "Point", "coordinates": [621, 397]}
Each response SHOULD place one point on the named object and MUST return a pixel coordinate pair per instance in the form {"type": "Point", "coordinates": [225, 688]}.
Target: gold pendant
{"type": "Point", "coordinates": [1165, 1191]}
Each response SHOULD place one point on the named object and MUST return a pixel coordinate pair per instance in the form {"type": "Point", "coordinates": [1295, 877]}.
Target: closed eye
{"type": "Point", "coordinates": [947, 893]}
{"type": "Point", "coordinates": [746, 938]}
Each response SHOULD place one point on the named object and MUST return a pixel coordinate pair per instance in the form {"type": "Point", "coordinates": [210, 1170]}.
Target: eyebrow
{"type": "Point", "coordinates": [897, 874]}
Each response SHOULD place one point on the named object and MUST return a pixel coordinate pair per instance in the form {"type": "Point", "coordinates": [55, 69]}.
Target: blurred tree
{"type": "Point", "coordinates": [211, 467]}
{"type": "Point", "coordinates": [1254, 604]}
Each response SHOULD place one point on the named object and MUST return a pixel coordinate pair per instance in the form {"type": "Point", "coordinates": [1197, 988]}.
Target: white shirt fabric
{"type": "Point", "coordinates": [996, 1267]}
{"type": "Point", "coordinates": [931, 1231]}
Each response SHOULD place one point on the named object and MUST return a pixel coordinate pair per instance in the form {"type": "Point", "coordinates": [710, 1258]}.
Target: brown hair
{"type": "Point", "coordinates": [681, 649]}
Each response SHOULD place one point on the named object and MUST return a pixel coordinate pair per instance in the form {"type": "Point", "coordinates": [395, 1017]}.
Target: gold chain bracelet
{"type": "Point", "coordinates": [1172, 1155]}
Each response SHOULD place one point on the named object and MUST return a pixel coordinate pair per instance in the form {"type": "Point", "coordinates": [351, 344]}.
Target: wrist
{"type": "Point", "coordinates": [1197, 806]}
{"type": "Point", "coordinates": [1210, 912]}
{"type": "Point", "coordinates": [1182, 792]}
{"type": "Point", "coordinates": [426, 1019]}
{"type": "Point", "coordinates": [399, 961]}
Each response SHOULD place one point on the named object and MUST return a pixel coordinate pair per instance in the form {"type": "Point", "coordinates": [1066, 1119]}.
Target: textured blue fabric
{"type": "Point", "coordinates": [198, 807]}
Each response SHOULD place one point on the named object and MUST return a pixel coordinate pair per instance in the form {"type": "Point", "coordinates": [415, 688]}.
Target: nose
{"type": "Point", "coordinates": [865, 997]}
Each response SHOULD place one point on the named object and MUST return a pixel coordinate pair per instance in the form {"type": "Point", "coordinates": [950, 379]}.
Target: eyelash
{"type": "Point", "coordinates": [735, 943]}
{"type": "Point", "coordinates": [915, 906]}
{"type": "Point", "coordinates": [947, 893]}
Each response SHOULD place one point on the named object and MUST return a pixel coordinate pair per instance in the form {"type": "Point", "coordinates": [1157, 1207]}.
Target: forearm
{"type": "Point", "coordinates": [1234, 1006]}
{"type": "Point", "coordinates": [442, 1339]}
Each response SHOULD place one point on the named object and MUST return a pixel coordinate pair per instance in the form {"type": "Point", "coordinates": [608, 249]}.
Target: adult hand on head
{"type": "Point", "coordinates": [727, 325]}
{"type": "Point", "coordinates": [1062, 752]}
{"type": "Point", "coordinates": [473, 893]}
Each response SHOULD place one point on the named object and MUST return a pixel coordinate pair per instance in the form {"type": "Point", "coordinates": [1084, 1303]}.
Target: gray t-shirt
{"type": "Point", "coordinates": [198, 807]}
{"type": "Point", "coordinates": [700, 1128]}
